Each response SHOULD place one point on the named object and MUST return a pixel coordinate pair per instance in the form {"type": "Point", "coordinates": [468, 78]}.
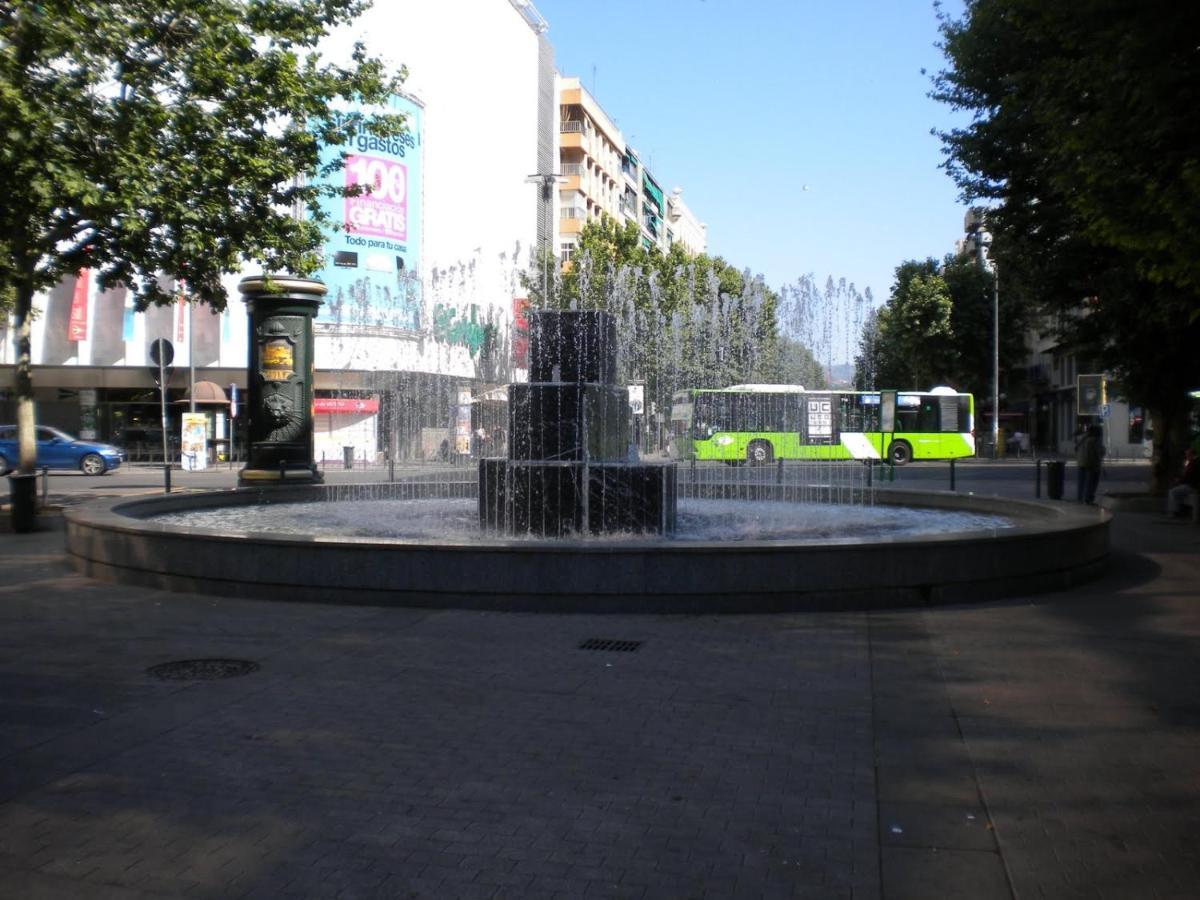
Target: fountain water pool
{"type": "Point", "coordinates": [1043, 546]}
{"type": "Point", "coordinates": [699, 520]}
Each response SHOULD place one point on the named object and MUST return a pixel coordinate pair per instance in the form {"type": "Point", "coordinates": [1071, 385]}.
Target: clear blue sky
{"type": "Point", "coordinates": [744, 102]}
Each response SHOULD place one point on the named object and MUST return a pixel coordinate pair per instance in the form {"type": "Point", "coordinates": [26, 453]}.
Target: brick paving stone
{"type": "Point", "coordinates": [408, 753]}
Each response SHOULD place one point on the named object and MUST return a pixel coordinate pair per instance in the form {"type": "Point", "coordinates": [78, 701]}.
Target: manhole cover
{"type": "Point", "coordinates": [610, 644]}
{"type": "Point", "coordinates": [202, 669]}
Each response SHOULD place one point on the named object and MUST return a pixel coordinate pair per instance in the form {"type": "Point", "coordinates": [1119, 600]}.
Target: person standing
{"type": "Point", "coordinates": [1089, 452]}
{"type": "Point", "coordinates": [1187, 490]}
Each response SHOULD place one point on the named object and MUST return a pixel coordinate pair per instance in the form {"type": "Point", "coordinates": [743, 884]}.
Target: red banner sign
{"type": "Point", "coordinates": [77, 324]}
{"type": "Point", "coordinates": [361, 405]}
{"type": "Point", "coordinates": [520, 332]}
{"type": "Point", "coordinates": [180, 320]}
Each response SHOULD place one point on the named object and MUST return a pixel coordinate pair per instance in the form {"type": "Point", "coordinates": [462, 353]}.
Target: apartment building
{"type": "Point", "coordinates": [604, 176]}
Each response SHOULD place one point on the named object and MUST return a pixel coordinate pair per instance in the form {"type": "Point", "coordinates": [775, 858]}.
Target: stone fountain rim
{"type": "Point", "coordinates": [1054, 546]}
{"type": "Point", "coordinates": [1030, 517]}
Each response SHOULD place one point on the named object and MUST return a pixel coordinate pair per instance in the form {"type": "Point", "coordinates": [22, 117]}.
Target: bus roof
{"type": "Point", "coordinates": [766, 388]}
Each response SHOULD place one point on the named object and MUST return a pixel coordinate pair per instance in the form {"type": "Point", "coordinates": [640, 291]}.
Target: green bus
{"type": "Point", "coordinates": [758, 424]}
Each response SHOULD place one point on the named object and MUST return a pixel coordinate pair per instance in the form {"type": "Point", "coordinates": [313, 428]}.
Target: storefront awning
{"type": "Point", "coordinates": [653, 191]}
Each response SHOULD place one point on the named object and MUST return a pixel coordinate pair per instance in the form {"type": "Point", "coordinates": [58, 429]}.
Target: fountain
{"type": "Point", "coordinates": [568, 469]}
{"type": "Point", "coordinates": [572, 520]}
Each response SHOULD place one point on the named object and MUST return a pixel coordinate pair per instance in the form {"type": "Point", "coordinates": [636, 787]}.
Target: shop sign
{"type": "Point", "coordinates": [363, 405]}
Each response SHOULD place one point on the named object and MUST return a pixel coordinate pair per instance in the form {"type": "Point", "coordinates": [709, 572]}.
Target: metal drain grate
{"type": "Point", "coordinates": [609, 644]}
{"type": "Point", "coordinates": [202, 669]}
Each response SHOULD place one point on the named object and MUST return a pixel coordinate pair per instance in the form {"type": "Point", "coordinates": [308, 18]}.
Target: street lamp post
{"type": "Point", "coordinates": [547, 180]}
{"type": "Point", "coordinates": [981, 240]}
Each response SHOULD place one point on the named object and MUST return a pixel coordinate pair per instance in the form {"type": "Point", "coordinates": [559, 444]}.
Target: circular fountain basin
{"type": "Point", "coordinates": [763, 554]}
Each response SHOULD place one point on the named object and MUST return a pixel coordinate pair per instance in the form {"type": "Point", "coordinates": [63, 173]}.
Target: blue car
{"type": "Point", "coordinates": [58, 450]}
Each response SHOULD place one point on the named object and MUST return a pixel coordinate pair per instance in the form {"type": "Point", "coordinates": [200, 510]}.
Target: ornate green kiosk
{"type": "Point", "coordinates": [279, 380]}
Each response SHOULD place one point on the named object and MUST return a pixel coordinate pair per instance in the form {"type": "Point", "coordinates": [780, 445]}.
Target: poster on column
{"type": "Point", "coordinates": [193, 442]}
{"type": "Point", "coordinates": [372, 254]}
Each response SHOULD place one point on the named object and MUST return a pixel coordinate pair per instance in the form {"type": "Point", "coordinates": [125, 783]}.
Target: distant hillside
{"type": "Point", "coordinates": [841, 376]}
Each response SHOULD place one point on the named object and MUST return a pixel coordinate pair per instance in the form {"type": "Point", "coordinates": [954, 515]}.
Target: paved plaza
{"type": "Point", "coordinates": [1039, 747]}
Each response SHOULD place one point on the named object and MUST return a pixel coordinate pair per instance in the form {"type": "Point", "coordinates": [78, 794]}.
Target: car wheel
{"type": "Point", "coordinates": [759, 453]}
{"type": "Point", "coordinates": [3, 465]}
{"type": "Point", "coordinates": [900, 453]}
{"type": "Point", "coordinates": [93, 464]}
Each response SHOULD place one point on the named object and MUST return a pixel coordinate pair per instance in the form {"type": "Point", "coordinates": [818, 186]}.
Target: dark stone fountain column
{"type": "Point", "coordinates": [280, 379]}
{"type": "Point", "coordinates": [569, 468]}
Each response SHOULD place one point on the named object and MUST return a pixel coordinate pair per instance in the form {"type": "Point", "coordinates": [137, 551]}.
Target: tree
{"type": "Point", "coordinates": [155, 142]}
{"type": "Point", "coordinates": [909, 343]}
{"type": "Point", "coordinates": [1083, 138]}
{"type": "Point", "coordinates": [685, 321]}
{"type": "Point", "coordinates": [797, 365]}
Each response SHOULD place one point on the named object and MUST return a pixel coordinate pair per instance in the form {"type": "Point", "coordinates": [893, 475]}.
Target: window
{"type": "Point", "coordinates": [566, 251]}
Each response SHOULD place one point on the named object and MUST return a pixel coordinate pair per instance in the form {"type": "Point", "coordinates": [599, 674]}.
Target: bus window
{"type": "Point", "coordinates": [929, 415]}
{"type": "Point", "coordinates": [949, 414]}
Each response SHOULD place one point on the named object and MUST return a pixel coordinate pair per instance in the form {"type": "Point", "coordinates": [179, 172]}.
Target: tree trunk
{"type": "Point", "coordinates": [24, 501]}
{"type": "Point", "coordinates": [1170, 429]}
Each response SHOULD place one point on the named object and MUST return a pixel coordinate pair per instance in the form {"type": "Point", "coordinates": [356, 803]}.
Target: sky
{"type": "Point", "coordinates": [798, 130]}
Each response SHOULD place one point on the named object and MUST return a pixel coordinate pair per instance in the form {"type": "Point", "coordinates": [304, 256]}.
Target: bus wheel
{"type": "Point", "coordinates": [900, 453]}
{"type": "Point", "coordinates": [759, 453]}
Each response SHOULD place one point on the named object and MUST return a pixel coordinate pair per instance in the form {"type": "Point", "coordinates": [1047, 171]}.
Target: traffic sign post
{"type": "Point", "coordinates": [233, 411]}
{"type": "Point", "coordinates": [161, 353]}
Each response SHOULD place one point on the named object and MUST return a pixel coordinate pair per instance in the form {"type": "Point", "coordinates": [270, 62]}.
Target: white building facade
{"type": "Point", "coordinates": [422, 293]}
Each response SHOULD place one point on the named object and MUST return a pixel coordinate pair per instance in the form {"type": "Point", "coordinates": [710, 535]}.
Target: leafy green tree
{"type": "Point", "coordinates": [797, 365]}
{"type": "Point", "coordinates": [909, 343]}
{"type": "Point", "coordinates": [687, 321]}
{"type": "Point", "coordinates": [1083, 137]}
{"type": "Point", "coordinates": [154, 142]}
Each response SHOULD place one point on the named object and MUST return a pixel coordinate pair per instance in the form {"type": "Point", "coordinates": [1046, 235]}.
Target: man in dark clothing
{"type": "Point", "coordinates": [1089, 452]}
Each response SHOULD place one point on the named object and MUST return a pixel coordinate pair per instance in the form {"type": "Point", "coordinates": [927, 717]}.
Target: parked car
{"type": "Point", "coordinates": [58, 450]}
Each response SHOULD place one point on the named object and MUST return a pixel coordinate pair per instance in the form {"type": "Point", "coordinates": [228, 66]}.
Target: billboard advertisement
{"type": "Point", "coordinates": [372, 256]}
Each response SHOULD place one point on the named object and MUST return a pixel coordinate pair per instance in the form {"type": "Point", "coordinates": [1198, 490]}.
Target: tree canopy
{"type": "Point", "coordinates": [153, 142]}
{"type": "Point", "coordinates": [1084, 140]}
{"type": "Point", "coordinates": [169, 139]}
{"type": "Point", "coordinates": [937, 328]}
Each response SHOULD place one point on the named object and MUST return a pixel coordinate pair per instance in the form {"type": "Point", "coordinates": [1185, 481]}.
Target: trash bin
{"type": "Point", "coordinates": [1056, 473]}
{"type": "Point", "coordinates": [348, 459]}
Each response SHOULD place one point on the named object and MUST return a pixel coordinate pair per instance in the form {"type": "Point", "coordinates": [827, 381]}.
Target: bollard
{"type": "Point", "coordinates": [779, 473]}
{"type": "Point", "coordinates": [45, 485]}
{"type": "Point", "coordinates": [952, 475]}
{"type": "Point", "coordinates": [870, 472]}
{"type": "Point", "coordinates": [1037, 479]}
{"type": "Point", "coordinates": [166, 478]}
{"type": "Point", "coordinates": [391, 469]}
{"type": "Point", "coordinates": [282, 469]}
